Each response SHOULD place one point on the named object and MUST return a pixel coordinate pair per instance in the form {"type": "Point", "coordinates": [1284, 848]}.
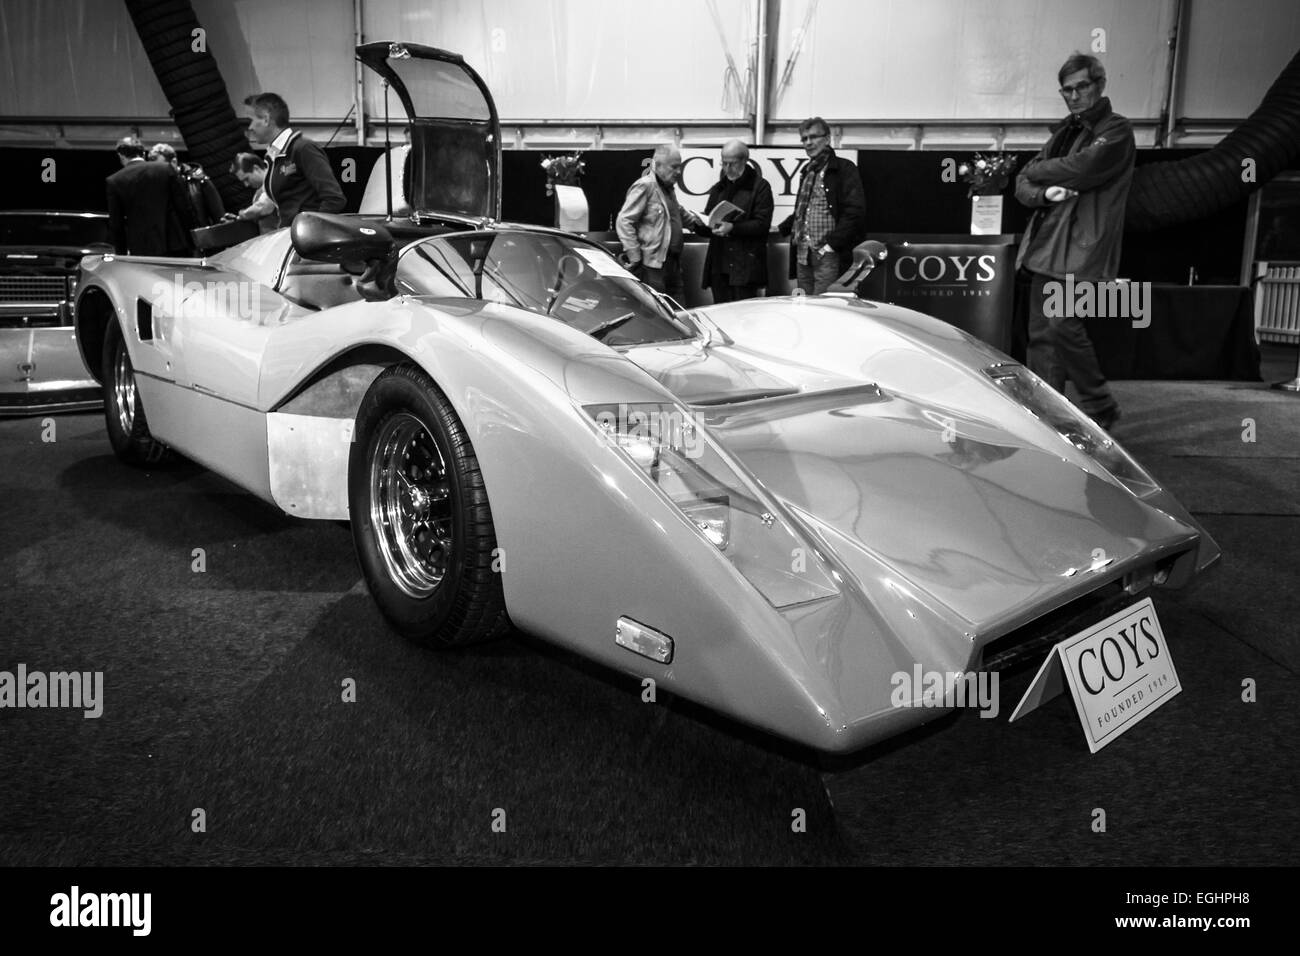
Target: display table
{"type": "Point", "coordinates": [968, 281]}
{"type": "Point", "coordinates": [1196, 332]}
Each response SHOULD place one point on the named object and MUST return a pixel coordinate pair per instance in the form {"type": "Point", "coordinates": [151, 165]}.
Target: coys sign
{"type": "Point", "coordinates": [969, 283]}
{"type": "Point", "coordinates": [1118, 672]}
{"type": "Point", "coordinates": [935, 269]}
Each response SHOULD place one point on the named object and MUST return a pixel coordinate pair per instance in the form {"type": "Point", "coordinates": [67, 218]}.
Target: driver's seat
{"type": "Point", "coordinates": [317, 285]}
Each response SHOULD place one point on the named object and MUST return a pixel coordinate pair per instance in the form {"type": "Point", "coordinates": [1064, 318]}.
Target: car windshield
{"type": "Point", "coordinates": [78, 232]}
{"type": "Point", "coordinates": [577, 283]}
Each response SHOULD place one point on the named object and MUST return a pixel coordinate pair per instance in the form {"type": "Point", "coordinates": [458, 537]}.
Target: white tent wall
{"type": "Point", "coordinates": [586, 59]}
{"type": "Point", "coordinates": [72, 59]}
{"type": "Point", "coordinates": [301, 49]}
{"type": "Point", "coordinates": [904, 73]}
{"type": "Point", "coordinates": [1232, 52]}
{"type": "Point", "coordinates": [861, 65]}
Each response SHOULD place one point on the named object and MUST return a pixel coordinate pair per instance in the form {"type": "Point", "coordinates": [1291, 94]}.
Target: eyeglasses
{"type": "Point", "coordinates": [1078, 89]}
{"type": "Point", "coordinates": [813, 137]}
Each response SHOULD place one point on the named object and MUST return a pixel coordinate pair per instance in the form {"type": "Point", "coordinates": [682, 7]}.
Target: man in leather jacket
{"type": "Point", "coordinates": [829, 214]}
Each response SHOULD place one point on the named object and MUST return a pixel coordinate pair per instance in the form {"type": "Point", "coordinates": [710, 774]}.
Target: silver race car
{"type": "Point", "coordinates": [769, 507]}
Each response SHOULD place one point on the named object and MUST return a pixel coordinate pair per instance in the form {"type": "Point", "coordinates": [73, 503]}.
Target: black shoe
{"type": "Point", "coordinates": [1106, 419]}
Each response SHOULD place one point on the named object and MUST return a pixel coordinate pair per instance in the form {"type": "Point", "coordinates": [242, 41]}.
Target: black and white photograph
{"type": "Point", "coordinates": [701, 433]}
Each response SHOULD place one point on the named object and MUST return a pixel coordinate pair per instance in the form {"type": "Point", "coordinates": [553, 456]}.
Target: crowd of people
{"type": "Point", "coordinates": [829, 219]}
{"type": "Point", "coordinates": [155, 202]}
{"type": "Point", "coordinates": [1077, 186]}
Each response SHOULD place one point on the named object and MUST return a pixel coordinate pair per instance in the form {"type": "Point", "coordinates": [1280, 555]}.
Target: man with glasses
{"type": "Point", "coordinates": [1078, 186]}
{"type": "Point", "coordinates": [830, 212]}
{"type": "Point", "coordinates": [735, 267]}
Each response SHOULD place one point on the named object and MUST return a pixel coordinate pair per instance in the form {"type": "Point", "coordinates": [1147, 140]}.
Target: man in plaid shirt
{"type": "Point", "coordinates": [829, 214]}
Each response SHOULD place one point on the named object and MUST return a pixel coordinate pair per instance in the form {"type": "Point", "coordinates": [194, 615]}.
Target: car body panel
{"type": "Point", "coordinates": [227, 438]}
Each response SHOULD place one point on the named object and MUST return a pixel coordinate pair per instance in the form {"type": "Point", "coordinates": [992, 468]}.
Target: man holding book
{"type": "Point", "coordinates": [739, 210]}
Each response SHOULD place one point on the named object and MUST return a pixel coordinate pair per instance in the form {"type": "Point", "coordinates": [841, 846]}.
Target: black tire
{"type": "Point", "coordinates": [128, 430]}
{"type": "Point", "coordinates": [423, 530]}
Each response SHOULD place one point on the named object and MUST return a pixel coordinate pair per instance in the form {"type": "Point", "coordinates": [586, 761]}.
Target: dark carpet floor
{"type": "Point", "coordinates": [223, 695]}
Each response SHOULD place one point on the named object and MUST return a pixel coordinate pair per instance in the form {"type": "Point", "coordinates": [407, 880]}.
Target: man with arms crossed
{"type": "Point", "coordinates": [1077, 185]}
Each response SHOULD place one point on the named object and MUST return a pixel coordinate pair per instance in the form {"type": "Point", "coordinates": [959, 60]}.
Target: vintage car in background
{"type": "Point", "coordinates": [769, 507]}
{"type": "Point", "coordinates": [40, 365]}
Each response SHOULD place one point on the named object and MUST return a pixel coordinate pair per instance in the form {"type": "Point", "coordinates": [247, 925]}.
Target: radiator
{"type": "Point", "coordinates": [1277, 301]}
{"type": "Point", "coordinates": [29, 288]}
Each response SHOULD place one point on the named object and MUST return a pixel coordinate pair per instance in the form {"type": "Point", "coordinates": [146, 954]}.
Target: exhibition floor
{"type": "Point", "coordinates": [222, 692]}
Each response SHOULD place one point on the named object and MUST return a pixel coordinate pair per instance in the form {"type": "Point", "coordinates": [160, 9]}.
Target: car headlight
{"type": "Point", "coordinates": [724, 506]}
{"type": "Point", "coordinates": [1072, 425]}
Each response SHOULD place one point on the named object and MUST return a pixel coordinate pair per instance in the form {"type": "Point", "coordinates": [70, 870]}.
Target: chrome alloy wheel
{"type": "Point", "coordinates": [410, 505]}
{"type": "Point", "coordinates": [124, 390]}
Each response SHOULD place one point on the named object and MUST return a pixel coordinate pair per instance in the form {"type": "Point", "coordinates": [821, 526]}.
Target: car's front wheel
{"type": "Point", "coordinates": [420, 517]}
{"type": "Point", "coordinates": [128, 430]}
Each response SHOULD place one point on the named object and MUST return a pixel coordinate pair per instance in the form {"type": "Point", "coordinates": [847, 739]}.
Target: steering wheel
{"type": "Point", "coordinates": [583, 285]}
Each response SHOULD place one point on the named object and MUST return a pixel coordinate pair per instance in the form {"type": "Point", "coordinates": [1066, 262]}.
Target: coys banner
{"type": "Point", "coordinates": [968, 281]}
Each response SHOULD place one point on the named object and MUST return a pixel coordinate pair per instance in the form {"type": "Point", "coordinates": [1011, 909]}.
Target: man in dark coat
{"type": "Point", "coordinates": [1077, 186]}
{"type": "Point", "coordinates": [149, 210]}
{"type": "Point", "coordinates": [735, 267]}
{"type": "Point", "coordinates": [299, 178]}
{"type": "Point", "coordinates": [830, 212]}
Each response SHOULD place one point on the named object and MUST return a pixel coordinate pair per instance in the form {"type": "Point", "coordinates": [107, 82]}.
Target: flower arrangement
{"type": "Point", "coordinates": [988, 174]}
{"type": "Point", "coordinates": [562, 171]}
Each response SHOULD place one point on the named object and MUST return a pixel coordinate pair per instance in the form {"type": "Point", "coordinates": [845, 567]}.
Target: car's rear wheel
{"type": "Point", "coordinates": [128, 429]}
{"type": "Point", "coordinates": [420, 516]}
